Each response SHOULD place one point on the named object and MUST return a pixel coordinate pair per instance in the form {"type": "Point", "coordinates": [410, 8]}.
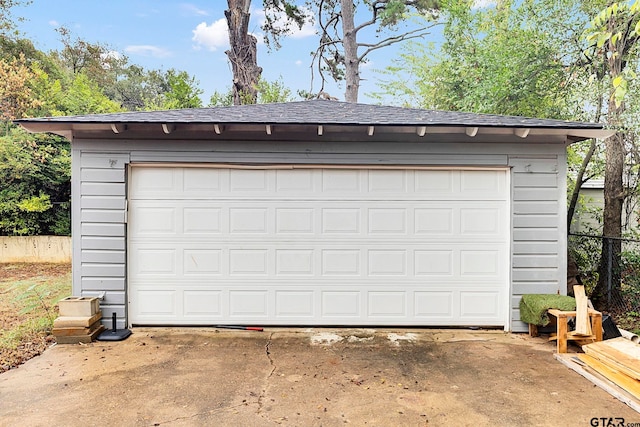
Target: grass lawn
{"type": "Point", "coordinates": [29, 294]}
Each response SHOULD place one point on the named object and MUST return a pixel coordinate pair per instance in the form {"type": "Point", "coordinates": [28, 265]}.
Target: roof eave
{"type": "Point", "coordinates": [67, 129]}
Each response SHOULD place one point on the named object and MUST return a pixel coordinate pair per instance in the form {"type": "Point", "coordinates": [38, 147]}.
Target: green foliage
{"type": "Point", "coordinates": [7, 22]}
{"type": "Point", "coordinates": [183, 91]}
{"type": "Point", "coordinates": [81, 78]}
{"type": "Point", "coordinates": [276, 91]}
{"type": "Point", "coordinates": [35, 171]}
{"type": "Point", "coordinates": [613, 34]}
{"type": "Point", "coordinates": [220, 99]}
{"type": "Point", "coordinates": [268, 92]}
{"type": "Point", "coordinates": [84, 96]}
{"type": "Point", "coordinates": [493, 60]}
{"type": "Point", "coordinates": [34, 303]}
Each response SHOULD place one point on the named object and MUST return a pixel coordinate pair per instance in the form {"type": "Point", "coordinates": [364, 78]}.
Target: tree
{"type": "Point", "coordinates": [494, 60]}
{"type": "Point", "coordinates": [268, 92]}
{"type": "Point", "coordinates": [524, 58]}
{"type": "Point", "coordinates": [7, 23]}
{"type": "Point", "coordinates": [16, 97]}
{"type": "Point", "coordinates": [341, 50]}
{"type": "Point", "coordinates": [183, 91]}
{"type": "Point", "coordinates": [615, 34]}
{"type": "Point", "coordinates": [242, 53]}
{"type": "Point", "coordinates": [95, 60]}
{"type": "Point", "coordinates": [35, 173]}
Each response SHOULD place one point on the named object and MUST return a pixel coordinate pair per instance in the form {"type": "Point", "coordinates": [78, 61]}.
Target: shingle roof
{"type": "Point", "coordinates": [321, 112]}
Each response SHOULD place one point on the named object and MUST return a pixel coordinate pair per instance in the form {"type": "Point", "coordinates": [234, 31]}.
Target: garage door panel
{"type": "Point", "coordinates": [202, 304]}
{"type": "Point", "coordinates": [199, 262]}
{"type": "Point", "coordinates": [435, 306]}
{"type": "Point", "coordinates": [415, 262]}
{"type": "Point", "coordinates": [318, 246]}
{"type": "Point", "coordinates": [294, 262]}
{"type": "Point", "coordinates": [477, 305]}
{"type": "Point", "coordinates": [342, 304]}
{"type": "Point", "coordinates": [482, 221]}
{"type": "Point", "coordinates": [248, 181]}
{"type": "Point", "coordinates": [327, 220]}
{"type": "Point", "coordinates": [295, 304]}
{"type": "Point", "coordinates": [295, 220]}
{"type": "Point", "coordinates": [153, 220]}
{"type": "Point", "coordinates": [341, 220]}
{"type": "Point", "coordinates": [150, 262]}
{"type": "Point", "coordinates": [296, 181]}
{"type": "Point", "coordinates": [199, 180]}
{"type": "Point", "coordinates": [255, 305]}
{"type": "Point", "coordinates": [387, 221]}
{"type": "Point", "coordinates": [202, 220]}
{"type": "Point", "coordinates": [248, 304]}
{"type": "Point", "coordinates": [387, 304]}
{"type": "Point", "coordinates": [156, 304]}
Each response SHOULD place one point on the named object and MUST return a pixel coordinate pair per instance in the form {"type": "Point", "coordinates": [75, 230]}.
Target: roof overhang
{"type": "Point", "coordinates": [116, 130]}
{"type": "Point", "coordinates": [317, 120]}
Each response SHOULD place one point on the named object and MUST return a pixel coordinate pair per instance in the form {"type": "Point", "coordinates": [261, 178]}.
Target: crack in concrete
{"type": "Point", "coordinates": [260, 401]}
{"type": "Point", "coordinates": [263, 393]}
{"type": "Point", "coordinates": [210, 412]}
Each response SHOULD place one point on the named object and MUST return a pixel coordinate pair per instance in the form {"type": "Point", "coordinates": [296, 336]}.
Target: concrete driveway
{"type": "Point", "coordinates": [304, 377]}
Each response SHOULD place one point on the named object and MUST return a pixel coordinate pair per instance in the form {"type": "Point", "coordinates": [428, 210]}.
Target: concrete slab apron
{"type": "Point", "coordinates": [317, 377]}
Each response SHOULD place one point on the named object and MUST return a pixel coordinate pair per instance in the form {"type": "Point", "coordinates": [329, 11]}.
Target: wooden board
{"type": "Point", "coordinates": [80, 339]}
{"type": "Point", "coordinates": [76, 322]}
{"type": "Point", "coordinates": [62, 332]}
{"type": "Point", "coordinates": [583, 325]}
{"type": "Point", "coordinates": [618, 353]}
{"type": "Point", "coordinates": [626, 346]}
{"type": "Point", "coordinates": [623, 381]}
{"type": "Point", "coordinates": [598, 380]}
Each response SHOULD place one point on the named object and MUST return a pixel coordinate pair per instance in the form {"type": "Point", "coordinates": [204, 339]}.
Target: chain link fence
{"type": "Point", "coordinates": [610, 270]}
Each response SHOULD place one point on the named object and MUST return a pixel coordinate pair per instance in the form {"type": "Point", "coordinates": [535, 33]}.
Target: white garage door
{"type": "Point", "coordinates": [322, 246]}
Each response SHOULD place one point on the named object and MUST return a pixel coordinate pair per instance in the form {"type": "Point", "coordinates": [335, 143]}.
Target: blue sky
{"type": "Point", "coordinates": [189, 36]}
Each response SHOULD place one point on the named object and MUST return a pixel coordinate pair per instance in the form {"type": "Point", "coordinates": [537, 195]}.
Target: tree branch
{"type": "Point", "coordinates": [415, 34]}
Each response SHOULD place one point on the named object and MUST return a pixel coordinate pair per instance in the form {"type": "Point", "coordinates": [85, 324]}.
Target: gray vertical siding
{"type": "Point", "coordinates": [101, 231]}
{"type": "Point", "coordinates": [538, 261]}
{"type": "Point", "coordinates": [538, 213]}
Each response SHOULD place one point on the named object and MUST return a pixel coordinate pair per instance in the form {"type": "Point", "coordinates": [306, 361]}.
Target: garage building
{"type": "Point", "coordinates": [317, 213]}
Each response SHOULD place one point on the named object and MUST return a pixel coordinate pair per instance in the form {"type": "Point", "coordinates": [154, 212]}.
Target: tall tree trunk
{"type": "Point", "coordinates": [607, 290]}
{"type": "Point", "coordinates": [243, 53]}
{"type": "Point", "coordinates": [350, 45]}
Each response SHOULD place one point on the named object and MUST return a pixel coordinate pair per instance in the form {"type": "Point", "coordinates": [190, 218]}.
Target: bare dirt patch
{"type": "Point", "coordinates": [23, 271]}
{"type": "Point", "coordinates": [28, 296]}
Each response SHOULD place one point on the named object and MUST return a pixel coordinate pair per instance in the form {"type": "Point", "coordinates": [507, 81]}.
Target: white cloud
{"type": "Point", "coordinates": [298, 62]}
{"type": "Point", "coordinates": [192, 9]}
{"type": "Point", "coordinates": [112, 54]}
{"type": "Point", "coordinates": [54, 23]}
{"type": "Point", "coordinates": [307, 30]}
{"type": "Point", "coordinates": [483, 4]}
{"type": "Point", "coordinates": [147, 50]}
{"type": "Point", "coordinates": [212, 36]}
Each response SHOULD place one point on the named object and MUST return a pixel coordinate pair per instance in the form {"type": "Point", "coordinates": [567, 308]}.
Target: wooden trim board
{"type": "Point", "coordinates": [623, 381]}
{"type": "Point", "coordinates": [598, 380]}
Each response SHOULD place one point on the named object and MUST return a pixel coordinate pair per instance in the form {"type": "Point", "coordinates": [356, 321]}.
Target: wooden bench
{"type": "Point", "coordinates": [563, 335]}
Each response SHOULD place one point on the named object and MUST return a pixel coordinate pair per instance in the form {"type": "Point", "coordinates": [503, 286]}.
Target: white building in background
{"type": "Point", "coordinates": [588, 216]}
